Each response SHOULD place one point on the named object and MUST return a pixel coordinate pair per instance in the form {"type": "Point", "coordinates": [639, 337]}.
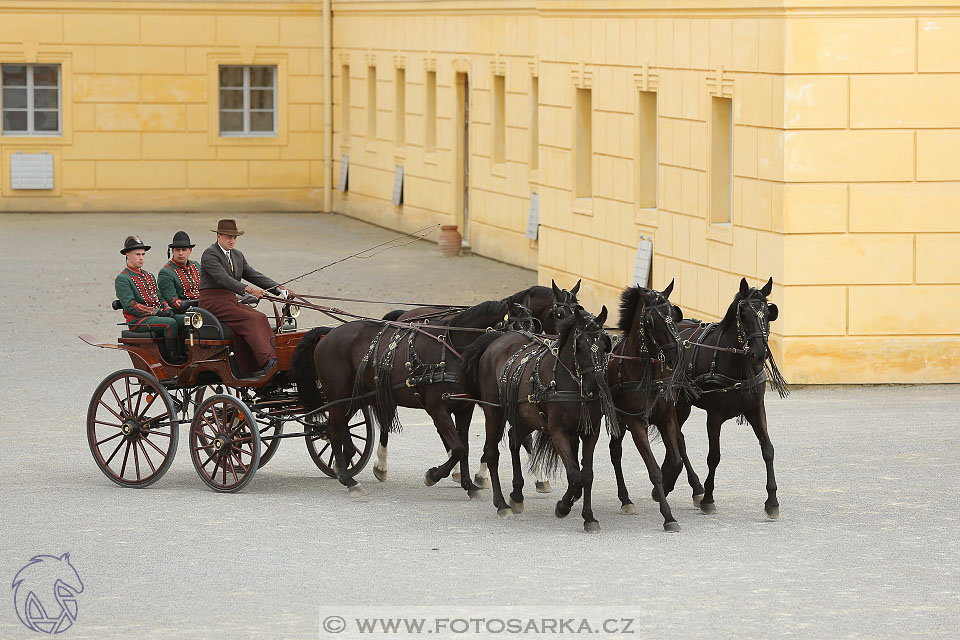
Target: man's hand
{"type": "Point", "coordinates": [254, 291]}
{"type": "Point", "coordinates": [290, 294]}
{"type": "Point", "coordinates": [165, 313]}
{"type": "Point", "coordinates": [182, 306]}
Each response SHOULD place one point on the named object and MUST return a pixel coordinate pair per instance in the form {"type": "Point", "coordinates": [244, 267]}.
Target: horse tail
{"type": "Point", "coordinates": [304, 369]}
{"type": "Point", "coordinates": [544, 456]}
{"type": "Point", "coordinates": [470, 367]}
{"type": "Point", "coordinates": [394, 315]}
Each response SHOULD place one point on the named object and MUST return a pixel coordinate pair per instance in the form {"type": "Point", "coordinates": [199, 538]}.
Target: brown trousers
{"type": "Point", "coordinates": [250, 328]}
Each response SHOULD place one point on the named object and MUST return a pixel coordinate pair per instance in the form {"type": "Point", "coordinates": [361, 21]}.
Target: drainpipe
{"type": "Point", "coordinates": [327, 107]}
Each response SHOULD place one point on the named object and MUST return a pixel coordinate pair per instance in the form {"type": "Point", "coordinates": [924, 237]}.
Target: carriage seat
{"type": "Point", "coordinates": [212, 329]}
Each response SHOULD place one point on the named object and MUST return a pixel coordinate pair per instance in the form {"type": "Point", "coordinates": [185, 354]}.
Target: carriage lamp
{"type": "Point", "coordinates": [291, 310]}
{"type": "Point", "coordinates": [195, 319]}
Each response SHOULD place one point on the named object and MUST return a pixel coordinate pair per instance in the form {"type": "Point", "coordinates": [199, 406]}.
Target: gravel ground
{"type": "Point", "coordinates": [865, 547]}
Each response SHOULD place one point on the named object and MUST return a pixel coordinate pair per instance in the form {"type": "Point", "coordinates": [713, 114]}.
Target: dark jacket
{"type": "Point", "coordinates": [215, 272]}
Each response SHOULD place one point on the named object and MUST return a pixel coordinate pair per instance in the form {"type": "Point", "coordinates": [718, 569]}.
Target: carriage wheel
{"type": "Point", "coordinates": [132, 428]}
{"type": "Point", "coordinates": [361, 431]}
{"type": "Point", "coordinates": [269, 428]}
{"type": "Point", "coordinates": [224, 443]}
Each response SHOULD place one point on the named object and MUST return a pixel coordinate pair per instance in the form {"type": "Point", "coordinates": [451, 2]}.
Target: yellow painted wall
{"type": "Point", "coordinates": [139, 100]}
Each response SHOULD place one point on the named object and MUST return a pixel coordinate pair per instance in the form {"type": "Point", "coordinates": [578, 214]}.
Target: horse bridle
{"type": "Point", "coordinates": [664, 309]}
{"type": "Point", "coordinates": [763, 313]}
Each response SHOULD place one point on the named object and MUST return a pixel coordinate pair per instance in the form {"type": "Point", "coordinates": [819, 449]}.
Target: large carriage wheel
{"type": "Point", "coordinates": [132, 428]}
{"type": "Point", "coordinates": [361, 431]}
{"type": "Point", "coordinates": [224, 443]}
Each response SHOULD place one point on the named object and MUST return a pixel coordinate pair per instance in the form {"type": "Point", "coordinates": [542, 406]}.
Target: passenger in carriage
{"type": "Point", "coordinates": [179, 279]}
{"type": "Point", "coordinates": [221, 270]}
{"type": "Point", "coordinates": [143, 309]}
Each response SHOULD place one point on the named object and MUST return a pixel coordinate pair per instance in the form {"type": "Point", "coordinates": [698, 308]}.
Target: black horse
{"type": "Point", "coordinates": [535, 309]}
{"type": "Point", "coordinates": [380, 363]}
{"type": "Point", "coordinates": [644, 375]}
{"type": "Point", "coordinates": [557, 387]}
{"type": "Point", "coordinates": [729, 363]}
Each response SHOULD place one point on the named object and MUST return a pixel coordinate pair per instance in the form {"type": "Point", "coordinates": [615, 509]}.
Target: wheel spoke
{"type": "Point", "coordinates": [126, 453]}
{"type": "Point", "coordinates": [126, 381]}
{"type": "Point", "coordinates": [146, 457]}
{"type": "Point", "coordinates": [108, 439]}
{"type": "Point", "coordinates": [208, 423]}
{"type": "Point", "coordinates": [158, 433]}
{"type": "Point", "coordinates": [120, 404]}
{"type": "Point", "coordinates": [358, 437]}
{"type": "Point", "coordinates": [212, 456]}
{"type": "Point", "coordinates": [330, 461]}
{"type": "Point", "coordinates": [213, 476]}
{"type": "Point", "coordinates": [224, 467]}
{"type": "Point", "coordinates": [115, 452]}
{"type": "Point", "coordinates": [233, 470]}
{"type": "Point", "coordinates": [146, 408]}
{"type": "Point", "coordinates": [117, 415]}
{"type": "Point", "coordinates": [216, 417]}
{"type": "Point", "coordinates": [108, 424]}
{"type": "Point", "coordinates": [240, 464]}
{"type": "Point", "coordinates": [150, 442]}
{"type": "Point", "coordinates": [136, 410]}
{"type": "Point", "coordinates": [136, 460]}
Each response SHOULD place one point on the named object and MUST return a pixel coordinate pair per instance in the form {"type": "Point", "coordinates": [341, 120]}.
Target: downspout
{"type": "Point", "coordinates": [327, 107]}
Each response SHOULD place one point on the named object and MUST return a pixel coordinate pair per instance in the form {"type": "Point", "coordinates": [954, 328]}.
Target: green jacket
{"type": "Point", "coordinates": [137, 292]}
{"type": "Point", "coordinates": [178, 283]}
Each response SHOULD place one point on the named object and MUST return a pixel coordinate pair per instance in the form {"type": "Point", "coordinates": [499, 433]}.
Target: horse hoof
{"type": "Point", "coordinates": [671, 527]}
{"type": "Point", "coordinates": [356, 491]}
{"type": "Point", "coordinates": [504, 514]}
{"type": "Point", "coordinates": [544, 487]}
{"type": "Point", "coordinates": [772, 512]}
{"type": "Point", "coordinates": [630, 509]}
{"type": "Point", "coordinates": [708, 508]}
{"type": "Point", "coordinates": [481, 482]}
{"type": "Point", "coordinates": [516, 507]}
{"type": "Point", "coordinates": [427, 480]}
{"type": "Point", "coordinates": [697, 497]}
{"type": "Point", "coordinates": [380, 474]}
{"type": "Point", "coordinates": [560, 513]}
{"type": "Point", "coordinates": [474, 494]}
{"type": "Point", "coordinates": [591, 527]}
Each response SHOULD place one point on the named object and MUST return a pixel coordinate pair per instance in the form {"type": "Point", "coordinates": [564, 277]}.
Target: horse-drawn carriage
{"type": "Point", "coordinates": [236, 423]}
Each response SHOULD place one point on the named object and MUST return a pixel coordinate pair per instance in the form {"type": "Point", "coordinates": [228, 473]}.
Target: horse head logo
{"type": "Point", "coordinates": [45, 593]}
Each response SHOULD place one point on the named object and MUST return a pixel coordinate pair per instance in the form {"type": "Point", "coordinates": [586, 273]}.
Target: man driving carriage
{"type": "Point", "coordinates": [143, 309]}
{"type": "Point", "coordinates": [179, 279]}
{"type": "Point", "coordinates": [222, 267]}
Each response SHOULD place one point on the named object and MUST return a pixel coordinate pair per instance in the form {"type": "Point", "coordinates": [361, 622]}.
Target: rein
{"type": "Point", "coordinates": [402, 304]}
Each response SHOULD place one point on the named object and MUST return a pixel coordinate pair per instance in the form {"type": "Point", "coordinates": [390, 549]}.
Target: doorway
{"type": "Point", "coordinates": [462, 187]}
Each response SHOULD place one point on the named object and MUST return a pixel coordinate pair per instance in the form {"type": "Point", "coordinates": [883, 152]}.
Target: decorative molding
{"type": "Point", "coordinates": [646, 80]}
{"type": "Point", "coordinates": [430, 62]}
{"type": "Point", "coordinates": [370, 57]}
{"type": "Point", "coordinates": [535, 66]}
{"type": "Point", "coordinates": [247, 53]}
{"type": "Point", "coordinates": [344, 57]}
{"type": "Point", "coordinates": [583, 77]}
{"type": "Point", "coordinates": [30, 49]}
{"type": "Point", "coordinates": [400, 60]}
{"type": "Point", "coordinates": [719, 84]}
{"type": "Point", "coordinates": [460, 65]}
{"type": "Point", "coordinates": [498, 66]}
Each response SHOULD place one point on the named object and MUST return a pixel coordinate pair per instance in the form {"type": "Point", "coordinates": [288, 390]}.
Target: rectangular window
{"type": "Point", "coordinates": [430, 117]}
{"type": "Point", "coordinates": [721, 160]}
{"type": "Point", "coordinates": [30, 99]}
{"type": "Point", "coordinates": [400, 110]}
{"type": "Point", "coordinates": [647, 150]}
{"type": "Point", "coordinates": [584, 149]}
{"type": "Point", "coordinates": [534, 123]}
{"type": "Point", "coordinates": [499, 128]}
{"type": "Point", "coordinates": [248, 100]}
{"type": "Point", "coordinates": [345, 101]}
{"type": "Point", "coordinates": [371, 104]}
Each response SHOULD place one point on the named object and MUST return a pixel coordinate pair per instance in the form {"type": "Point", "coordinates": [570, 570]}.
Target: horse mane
{"type": "Point", "coordinates": [477, 312]}
{"type": "Point", "coordinates": [629, 301]}
{"type": "Point", "coordinates": [534, 291]}
{"type": "Point", "coordinates": [564, 328]}
{"type": "Point", "coordinates": [730, 317]}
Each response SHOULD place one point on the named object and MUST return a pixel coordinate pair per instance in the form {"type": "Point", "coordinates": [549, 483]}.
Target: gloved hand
{"type": "Point", "coordinates": [165, 313]}
{"type": "Point", "coordinates": [183, 306]}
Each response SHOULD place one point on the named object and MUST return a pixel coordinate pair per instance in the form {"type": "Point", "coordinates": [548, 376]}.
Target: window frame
{"type": "Point", "coordinates": [246, 109]}
{"type": "Point", "coordinates": [31, 109]}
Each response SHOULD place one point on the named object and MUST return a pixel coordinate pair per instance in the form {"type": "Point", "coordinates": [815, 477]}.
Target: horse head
{"type": "Point", "coordinates": [754, 315]}
{"type": "Point", "coordinates": [590, 345]}
{"type": "Point", "coordinates": [564, 302]}
{"type": "Point", "coordinates": [658, 323]}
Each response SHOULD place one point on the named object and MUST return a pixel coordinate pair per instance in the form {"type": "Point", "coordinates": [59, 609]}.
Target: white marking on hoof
{"type": "Point", "coordinates": [427, 480]}
{"type": "Point", "coordinates": [504, 514]}
{"type": "Point", "coordinates": [381, 463]}
{"type": "Point", "coordinates": [544, 487]}
{"type": "Point", "coordinates": [482, 482]}
{"type": "Point", "coordinates": [697, 497]}
{"type": "Point", "coordinates": [380, 474]}
{"type": "Point", "coordinates": [356, 491]}
{"type": "Point", "coordinates": [630, 510]}
{"type": "Point", "coordinates": [591, 527]}
{"type": "Point", "coordinates": [455, 476]}
{"type": "Point", "coordinates": [516, 507]}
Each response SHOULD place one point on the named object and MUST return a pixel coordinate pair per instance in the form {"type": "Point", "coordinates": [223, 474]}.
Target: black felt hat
{"type": "Point", "coordinates": [131, 243]}
{"type": "Point", "coordinates": [181, 241]}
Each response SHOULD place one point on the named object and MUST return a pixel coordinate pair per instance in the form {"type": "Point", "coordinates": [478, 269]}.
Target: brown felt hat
{"type": "Point", "coordinates": [228, 228]}
{"type": "Point", "coordinates": [131, 243]}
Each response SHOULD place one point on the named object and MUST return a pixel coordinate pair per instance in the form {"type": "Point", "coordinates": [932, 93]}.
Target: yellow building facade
{"type": "Point", "coordinates": [744, 139]}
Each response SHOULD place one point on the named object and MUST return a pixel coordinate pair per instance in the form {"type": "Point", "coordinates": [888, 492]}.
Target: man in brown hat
{"type": "Point", "coordinates": [221, 270]}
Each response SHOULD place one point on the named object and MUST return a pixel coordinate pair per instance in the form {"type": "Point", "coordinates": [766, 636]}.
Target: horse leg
{"type": "Point", "coordinates": [758, 420]}
{"type": "Point", "coordinates": [448, 433]}
{"type": "Point", "coordinates": [482, 479]}
{"type": "Point", "coordinates": [567, 452]}
{"type": "Point", "coordinates": [343, 449]}
{"type": "Point", "coordinates": [714, 422]}
{"type": "Point", "coordinates": [464, 417]}
{"type": "Point", "coordinates": [516, 496]}
{"type": "Point", "coordinates": [380, 466]}
{"type": "Point", "coordinates": [590, 523]}
{"type": "Point", "coordinates": [543, 482]}
{"type": "Point", "coordinates": [491, 451]}
{"type": "Point", "coordinates": [616, 458]}
{"type": "Point", "coordinates": [670, 471]}
{"type": "Point", "coordinates": [692, 477]}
